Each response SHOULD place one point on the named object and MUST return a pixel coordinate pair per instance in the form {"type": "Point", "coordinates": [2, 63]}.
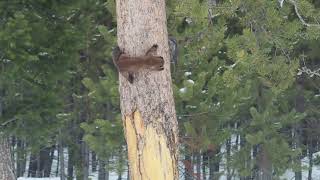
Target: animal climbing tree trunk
{"type": "Point", "coordinates": [6, 165]}
{"type": "Point", "coordinates": [147, 105]}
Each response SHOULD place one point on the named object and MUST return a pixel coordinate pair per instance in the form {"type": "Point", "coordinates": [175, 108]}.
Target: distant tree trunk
{"type": "Point", "coordinates": [211, 164]}
{"type": "Point", "coordinates": [58, 162]}
{"type": "Point", "coordinates": [310, 154]}
{"type": "Point", "coordinates": [70, 163]}
{"type": "Point", "coordinates": [61, 157]}
{"type": "Point", "coordinates": [6, 164]}
{"type": "Point", "coordinates": [214, 163]}
{"type": "Point", "coordinates": [265, 165]}
{"type": "Point", "coordinates": [198, 165]}
{"type": "Point", "coordinates": [45, 161]}
{"type": "Point", "coordinates": [246, 163]}
{"type": "Point", "coordinates": [21, 158]}
{"type": "Point", "coordinates": [94, 161]}
{"type": "Point", "coordinates": [204, 164]}
{"type": "Point", "coordinates": [228, 158]}
{"type": "Point", "coordinates": [188, 166]}
{"type": "Point", "coordinates": [103, 169]}
{"type": "Point", "coordinates": [33, 165]}
{"type": "Point", "coordinates": [85, 160]}
{"type": "Point", "coordinates": [147, 105]}
{"type": "Point", "coordinates": [299, 105]}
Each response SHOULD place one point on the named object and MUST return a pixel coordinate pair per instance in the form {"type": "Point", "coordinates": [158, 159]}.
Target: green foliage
{"type": "Point", "coordinates": [103, 132]}
{"type": "Point", "coordinates": [237, 77]}
{"type": "Point", "coordinates": [242, 59]}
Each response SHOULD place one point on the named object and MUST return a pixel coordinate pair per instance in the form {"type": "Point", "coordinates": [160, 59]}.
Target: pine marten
{"type": "Point", "coordinates": [127, 65]}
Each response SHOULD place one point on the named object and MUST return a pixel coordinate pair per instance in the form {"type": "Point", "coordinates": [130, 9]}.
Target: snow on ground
{"type": "Point", "coordinates": [55, 178]}
{"type": "Point", "coordinates": [288, 175]}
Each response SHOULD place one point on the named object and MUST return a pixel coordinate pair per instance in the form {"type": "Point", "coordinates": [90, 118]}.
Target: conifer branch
{"type": "Point", "coordinates": [294, 3]}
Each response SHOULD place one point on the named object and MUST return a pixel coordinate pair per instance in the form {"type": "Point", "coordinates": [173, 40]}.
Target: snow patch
{"type": "Point", "coordinates": [183, 90]}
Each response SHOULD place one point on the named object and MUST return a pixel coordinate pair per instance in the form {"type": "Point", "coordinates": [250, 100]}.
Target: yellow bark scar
{"type": "Point", "coordinates": [132, 146]}
{"type": "Point", "coordinates": [154, 161]}
{"type": "Point", "coordinates": [156, 156]}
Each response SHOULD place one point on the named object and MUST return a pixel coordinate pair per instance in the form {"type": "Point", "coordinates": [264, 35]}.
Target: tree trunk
{"type": "Point", "coordinates": [147, 105]}
{"type": "Point", "coordinates": [204, 164]}
{"type": "Point", "coordinates": [94, 161]}
{"type": "Point", "coordinates": [265, 166]}
{"type": "Point", "coordinates": [310, 154]}
{"type": "Point", "coordinates": [32, 165]}
{"type": "Point", "coordinates": [228, 158]}
{"type": "Point", "coordinates": [61, 157]}
{"type": "Point", "coordinates": [85, 160]}
{"type": "Point", "coordinates": [45, 161]}
{"type": "Point", "coordinates": [6, 165]}
{"type": "Point", "coordinates": [188, 166]}
{"type": "Point", "coordinates": [300, 107]}
{"type": "Point", "coordinates": [103, 169]}
{"type": "Point", "coordinates": [70, 162]}
{"type": "Point", "coordinates": [198, 165]}
{"type": "Point", "coordinates": [21, 158]}
{"type": "Point", "coordinates": [58, 162]}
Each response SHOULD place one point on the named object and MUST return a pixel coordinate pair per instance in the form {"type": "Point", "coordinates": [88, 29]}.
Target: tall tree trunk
{"type": "Point", "coordinates": [204, 164]}
{"type": "Point", "coordinates": [45, 161]}
{"type": "Point", "coordinates": [32, 165]}
{"type": "Point", "coordinates": [188, 166]}
{"type": "Point", "coordinates": [265, 165]}
{"type": "Point", "coordinates": [61, 157]}
{"type": "Point", "coordinates": [103, 169]}
{"type": "Point", "coordinates": [310, 155]}
{"type": "Point", "coordinates": [85, 160]}
{"type": "Point", "coordinates": [70, 162]}
{"type": "Point", "coordinates": [299, 105]}
{"type": "Point", "coordinates": [147, 105]}
{"type": "Point", "coordinates": [6, 165]}
{"type": "Point", "coordinates": [21, 158]}
{"type": "Point", "coordinates": [228, 158]}
{"type": "Point", "coordinates": [198, 165]}
{"type": "Point", "coordinates": [58, 162]}
{"type": "Point", "coordinates": [94, 161]}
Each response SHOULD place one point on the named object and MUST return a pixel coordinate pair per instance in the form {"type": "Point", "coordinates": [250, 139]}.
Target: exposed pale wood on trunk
{"type": "Point", "coordinates": [147, 105]}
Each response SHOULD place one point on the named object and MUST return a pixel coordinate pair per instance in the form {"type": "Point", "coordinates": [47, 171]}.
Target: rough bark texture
{"type": "Point", "coordinates": [6, 165]}
{"type": "Point", "coordinates": [147, 105]}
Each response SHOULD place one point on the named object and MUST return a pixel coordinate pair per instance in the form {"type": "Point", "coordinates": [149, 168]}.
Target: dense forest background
{"type": "Point", "coordinates": [246, 86]}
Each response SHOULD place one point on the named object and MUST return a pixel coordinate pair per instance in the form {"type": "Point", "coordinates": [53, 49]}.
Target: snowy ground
{"type": "Point", "coordinates": [288, 175]}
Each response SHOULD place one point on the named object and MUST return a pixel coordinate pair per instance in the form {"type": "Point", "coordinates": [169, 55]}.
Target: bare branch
{"type": "Point", "coordinates": [190, 115]}
{"type": "Point", "coordinates": [294, 3]}
{"type": "Point", "coordinates": [309, 72]}
{"type": "Point", "coordinates": [9, 121]}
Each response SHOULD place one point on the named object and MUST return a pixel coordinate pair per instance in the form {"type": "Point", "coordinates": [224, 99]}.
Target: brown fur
{"type": "Point", "coordinates": [126, 64]}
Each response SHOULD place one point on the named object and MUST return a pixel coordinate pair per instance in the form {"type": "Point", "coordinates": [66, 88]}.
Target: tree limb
{"type": "Point", "coordinates": [294, 3]}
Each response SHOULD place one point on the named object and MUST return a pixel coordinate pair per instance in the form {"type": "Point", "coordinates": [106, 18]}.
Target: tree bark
{"type": "Point", "coordinates": [103, 173]}
{"type": "Point", "coordinates": [21, 158]}
{"type": "Point", "coordinates": [265, 165]}
{"type": "Point", "coordinates": [61, 157]}
{"type": "Point", "coordinates": [70, 162]}
{"type": "Point", "coordinates": [300, 107]}
{"type": "Point", "coordinates": [6, 165]}
{"type": "Point", "coordinates": [85, 160]}
{"type": "Point", "coordinates": [147, 105]}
